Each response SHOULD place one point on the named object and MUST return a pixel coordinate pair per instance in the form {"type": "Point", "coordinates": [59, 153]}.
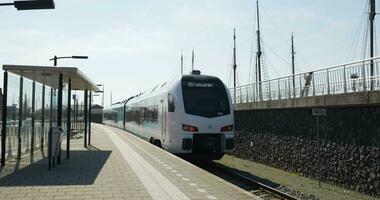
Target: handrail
{"type": "Point", "coordinates": [342, 78]}
{"type": "Point", "coordinates": [318, 70]}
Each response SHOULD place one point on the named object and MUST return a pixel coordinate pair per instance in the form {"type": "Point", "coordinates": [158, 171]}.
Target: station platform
{"type": "Point", "coordinates": [117, 165]}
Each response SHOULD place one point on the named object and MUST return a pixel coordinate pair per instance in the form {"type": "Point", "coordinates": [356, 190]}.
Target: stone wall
{"type": "Point", "coordinates": [286, 139]}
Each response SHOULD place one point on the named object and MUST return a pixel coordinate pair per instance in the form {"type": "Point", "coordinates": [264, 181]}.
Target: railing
{"type": "Point", "coordinates": [345, 78]}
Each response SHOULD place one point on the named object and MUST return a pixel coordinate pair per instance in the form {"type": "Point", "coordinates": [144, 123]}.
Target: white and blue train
{"type": "Point", "coordinates": [191, 116]}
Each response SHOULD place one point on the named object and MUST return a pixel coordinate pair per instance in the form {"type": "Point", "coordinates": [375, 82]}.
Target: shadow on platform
{"type": "Point", "coordinates": [82, 168]}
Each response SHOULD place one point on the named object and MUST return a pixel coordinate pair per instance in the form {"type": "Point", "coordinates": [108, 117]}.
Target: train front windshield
{"type": "Point", "coordinates": [205, 97]}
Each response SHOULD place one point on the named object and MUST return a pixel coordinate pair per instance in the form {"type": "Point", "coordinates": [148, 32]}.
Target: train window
{"type": "Point", "coordinates": [155, 113]}
{"type": "Point", "coordinates": [171, 106]}
{"type": "Point", "coordinates": [137, 116]}
{"type": "Point", "coordinates": [146, 114]}
{"type": "Point", "coordinates": [129, 116]}
{"type": "Point", "coordinates": [148, 117]}
{"type": "Point", "coordinates": [206, 98]}
{"type": "Point", "coordinates": [151, 114]}
{"type": "Point", "coordinates": [142, 115]}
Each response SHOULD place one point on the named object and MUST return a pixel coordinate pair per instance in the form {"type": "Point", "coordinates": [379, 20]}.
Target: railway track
{"type": "Point", "coordinates": [255, 187]}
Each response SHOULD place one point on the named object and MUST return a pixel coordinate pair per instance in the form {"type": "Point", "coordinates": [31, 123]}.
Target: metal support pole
{"type": "Point", "coordinates": [4, 118]}
{"type": "Point", "coordinates": [50, 129]}
{"type": "Point", "coordinates": [279, 89]}
{"type": "Point", "coordinates": [68, 120]}
{"type": "Point", "coordinates": [301, 93]}
{"type": "Point", "coordinates": [313, 82]}
{"type": "Point", "coordinates": [20, 118]}
{"type": "Point", "coordinates": [254, 90]}
{"type": "Point", "coordinates": [74, 113]}
{"type": "Point", "coordinates": [77, 116]}
{"type": "Point", "coordinates": [51, 108]}
{"type": "Point", "coordinates": [33, 117]}
{"type": "Point", "coordinates": [43, 118]}
{"type": "Point", "coordinates": [241, 96]}
{"type": "Point", "coordinates": [55, 60]}
{"type": "Point", "coordinates": [89, 119]}
{"type": "Point", "coordinates": [85, 117]}
{"type": "Point", "coordinates": [246, 91]}
{"type": "Point", "coordinates": [344, 79]}
{"type": "Point", "coordinates": [364, 78]}
{"type": "Point", "coordinates": [372, 15]}
{"type": "Point", "coordinates": [51, 123]}
{"type": "Point", "coordinates": [328, 81]}
{"type": "Point", "coordinates": [59, 111]}
{"type": "Point", "coordinates": [289, 95]}
{"type": "Point", "coordinates": [270, 91]}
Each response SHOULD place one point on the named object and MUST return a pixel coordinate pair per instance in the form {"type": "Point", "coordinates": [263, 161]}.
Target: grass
{"type": "Point", "coordinates": [293, 180]}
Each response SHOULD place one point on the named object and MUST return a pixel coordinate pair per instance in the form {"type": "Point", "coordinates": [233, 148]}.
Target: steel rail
{"type": "Point", "coordinates": [250, 181]}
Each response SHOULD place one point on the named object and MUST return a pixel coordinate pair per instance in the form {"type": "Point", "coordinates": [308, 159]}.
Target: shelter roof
{"type": "Point", "coordinates": [48, 75]}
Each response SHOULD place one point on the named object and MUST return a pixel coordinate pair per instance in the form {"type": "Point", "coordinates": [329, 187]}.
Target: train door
{"type": "Point", "coordinates": [163, 123]}
{"type": "Point", "coordinates": [142, 121]}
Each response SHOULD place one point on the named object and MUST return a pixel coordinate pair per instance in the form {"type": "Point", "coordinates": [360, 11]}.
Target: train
{"type": "Point", "coordinates": [190, 116]}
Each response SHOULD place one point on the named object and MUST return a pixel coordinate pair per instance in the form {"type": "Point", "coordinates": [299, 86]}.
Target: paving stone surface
{"type": "Point", "coordinates": [105, 170]}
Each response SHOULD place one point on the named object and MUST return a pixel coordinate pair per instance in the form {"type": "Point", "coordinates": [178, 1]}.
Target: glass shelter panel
{"type": "Point", "coordinates": [26, 128]}
{"type": "Point", "coordinates": [64, 107]}
{"type": "Point", "coordinates": [47, 115]}
{"type": "Point", "coordinates": [38, 131]}
{"type": "Point", "coordinates": [78, 111]}
{"type": "Point", "coordinates": [54, 101]}
{"type": "Point", "coordinates": [12, 115]}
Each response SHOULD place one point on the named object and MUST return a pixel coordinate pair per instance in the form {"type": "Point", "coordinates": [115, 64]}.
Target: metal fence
{"type": "Point", "coordinates": [358, 76]}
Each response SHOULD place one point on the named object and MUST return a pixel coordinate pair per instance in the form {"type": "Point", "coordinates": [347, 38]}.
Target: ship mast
{"type": "Point", "coordinates": [192, 60]}
{"type": "Point", "coordinates": [293, 68]}
{"type": "Point", "coordinates": [372, 15]}
{"type": "Point", "coordinates": [234, 66]}
{"type": "Point", "coordinates": [181, 62]}
{"type": "Point", "coordinates": [259, 52]}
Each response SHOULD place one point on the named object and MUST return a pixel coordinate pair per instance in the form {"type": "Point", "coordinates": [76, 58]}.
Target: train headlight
{"type": "Point", "coordinates": [189, 128]}
{"type": "Point", "coordinates": [227, 128]}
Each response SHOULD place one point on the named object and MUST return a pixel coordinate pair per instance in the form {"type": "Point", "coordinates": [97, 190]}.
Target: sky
{"type": "Point", "coordinates": [134, 45]}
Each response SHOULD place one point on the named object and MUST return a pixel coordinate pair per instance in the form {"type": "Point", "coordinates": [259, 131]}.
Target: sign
{"type": "Point", "coordinates": [319, 112]}
{"type": "Point", "coordinates": [195, 84]}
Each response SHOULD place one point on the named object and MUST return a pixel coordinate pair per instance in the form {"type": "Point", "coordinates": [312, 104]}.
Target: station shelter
{"type": "Point", "coordinates": [37, 99]}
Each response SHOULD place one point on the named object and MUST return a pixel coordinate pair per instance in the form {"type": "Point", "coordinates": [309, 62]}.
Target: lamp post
{"type": "Point", "coordinates": [31, 4]}
{"type": "Point", "coordinates": [19, 5]}
{"type": "Point", "coordinates": [55, 58]}
{"type": "Point", "coordinates": [59, 110]}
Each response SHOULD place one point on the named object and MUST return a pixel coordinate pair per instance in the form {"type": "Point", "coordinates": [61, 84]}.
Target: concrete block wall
{"type": "Point", "coordinates": [286, 139]}
{"type": "Point", "coordinates": [350, 125]}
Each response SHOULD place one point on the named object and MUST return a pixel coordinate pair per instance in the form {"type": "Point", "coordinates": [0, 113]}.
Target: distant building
{"type": "Point", "coordinates": [97, 114]}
